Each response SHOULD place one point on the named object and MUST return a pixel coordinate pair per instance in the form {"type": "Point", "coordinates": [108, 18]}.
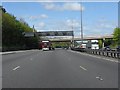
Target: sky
{"type": "Point", "coordinates": [99, 18]}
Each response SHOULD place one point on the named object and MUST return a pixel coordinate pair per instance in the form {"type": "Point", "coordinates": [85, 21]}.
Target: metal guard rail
{"type": "Point", "coordinates": [113, 54]}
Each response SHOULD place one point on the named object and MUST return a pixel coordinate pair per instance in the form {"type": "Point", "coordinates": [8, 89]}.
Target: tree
{"type": "Point", "coordinates": [12, 33]}
{"type": "Point", "coordinates": [3, 9]}
{"type": "Point", "coordinates": [23, 21]}
{"type": "Point", "coordinates": [116, 36]}
{"type": "Point", "coordinates": [108, 42]}
{"type": "Point", "coordinates": [100, 43]}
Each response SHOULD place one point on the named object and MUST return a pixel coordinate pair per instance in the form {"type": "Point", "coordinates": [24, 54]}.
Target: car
{"type": "Point", "coordinates": [45, 49]}
{"type": "Point", "coordinates": [65, 47]}
{"type": "Point", "coordinates": [107, 48]}
{"type": "Point", "coordinates": [53, 48]}
{"type": "Point", "coordinates": [118, 48]}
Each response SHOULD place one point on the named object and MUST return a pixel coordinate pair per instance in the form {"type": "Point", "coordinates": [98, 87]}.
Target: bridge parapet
{"type": "Point", "coordinates": [78, 39]}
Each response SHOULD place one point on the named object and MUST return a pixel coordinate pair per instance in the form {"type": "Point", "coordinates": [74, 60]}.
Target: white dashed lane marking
{"type": "Point", "coordinates": [83, 68]}
{"type": "Point", "coordinates": [16, 68]}
{"type": "Point", "coordinates": [99, 78]}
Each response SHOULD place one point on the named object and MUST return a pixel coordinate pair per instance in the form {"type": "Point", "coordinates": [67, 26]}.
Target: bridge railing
{"type": "Point", "coordinates": [113, 54]}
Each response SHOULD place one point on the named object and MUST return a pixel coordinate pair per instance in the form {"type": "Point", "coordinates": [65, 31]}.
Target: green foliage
{"type": "Point", "coordinates": [108, 42]}
{"type": "Point", "coordinates": [12, 33]}
{"type": "Point", "coordinates": [100, 43]}
{"type": "Point", "coordinates": [76, 43]}
{"type": "Point", "coordinates": [0, 29]}
{"type": "Point", "coordinates": [0, 19]}
{"type": "Point", "coordinates": [116, 36]}
{"type": "Point", "coordinates": [61, 44]}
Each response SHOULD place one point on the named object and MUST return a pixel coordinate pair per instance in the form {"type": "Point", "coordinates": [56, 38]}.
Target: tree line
{"type": "Point", "coordinates": [112, 42]}
{"type": "Point", "coordinates": [116, 36]}
{"type": "Point", "coordinates": [13, 33]}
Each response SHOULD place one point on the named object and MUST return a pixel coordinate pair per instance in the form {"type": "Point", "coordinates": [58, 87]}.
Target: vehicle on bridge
{"type": "Point", "coordinates": [87, 44]}
{"type": "Point", "coordinates": [92, 44]}
{"type": "Point", "coordinates": [83, 44]}
{"type": "Point", "coordinates": [80, 44]}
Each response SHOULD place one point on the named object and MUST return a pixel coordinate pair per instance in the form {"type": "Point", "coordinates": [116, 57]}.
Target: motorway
{"type": "Point", "coordinates": [57, 69]}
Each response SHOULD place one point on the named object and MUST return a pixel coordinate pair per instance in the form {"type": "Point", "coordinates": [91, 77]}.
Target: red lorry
{"type": "Point", "coordinates": [45, 45]}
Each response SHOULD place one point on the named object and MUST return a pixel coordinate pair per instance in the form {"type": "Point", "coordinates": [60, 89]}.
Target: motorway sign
{"type": "Point", "coordinates": [56, 33]}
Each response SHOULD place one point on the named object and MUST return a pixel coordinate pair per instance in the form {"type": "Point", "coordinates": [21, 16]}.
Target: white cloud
{"type": "Point", "coordinates": [41, 16]}
{"type": "Point", "coordinates": [100, 28]}
{"type": "Point", "coordinates": [105, 24]}
{"type": "Point", "coordinates": [65, 6]}
{"type": "Point", "coordinates": [40, 25]}
{"type": "Point", "coordinates": [32, 17]}
{"type": "Point", "coordinates": [73, 6]}
{"type": "Point", "coordinates": [49, 6]}
{"type": "Point", "coordinates": [73, 23]}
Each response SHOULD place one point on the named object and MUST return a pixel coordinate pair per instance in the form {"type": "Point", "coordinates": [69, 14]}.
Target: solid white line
{"type": "Point", "coordinates": [83, 68]}
{"type": "Point", "coordinates": [2, 53]}
{"type": "Point", "coordinates": [16, 68]}
{"type": "Point", "coordinates": [116, 61]}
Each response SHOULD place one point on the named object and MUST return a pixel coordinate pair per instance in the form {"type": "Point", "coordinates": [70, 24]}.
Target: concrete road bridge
{"type": "Point", "coordinates": [68, 39]}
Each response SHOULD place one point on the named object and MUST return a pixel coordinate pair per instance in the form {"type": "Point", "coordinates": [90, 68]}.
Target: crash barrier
{"type": "Point", "coordinates": [113, 54]}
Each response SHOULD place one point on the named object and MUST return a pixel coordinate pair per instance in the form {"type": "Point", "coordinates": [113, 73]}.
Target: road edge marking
{"type": "Point", "coordinates": [107, 59]}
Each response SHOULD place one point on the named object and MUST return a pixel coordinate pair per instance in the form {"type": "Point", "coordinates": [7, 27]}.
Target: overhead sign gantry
{"type": "Point", "coordinates": [55, 33]}
{"type": "Point", "coordinates": [49, 33]}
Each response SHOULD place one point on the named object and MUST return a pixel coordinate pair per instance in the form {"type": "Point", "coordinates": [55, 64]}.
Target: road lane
{"type": "Point", "coordinates": [9, 58]}
{"type": "Point", "coordinates": [58, 69]}
{"type": "Point", "coordinates": [99, 67]}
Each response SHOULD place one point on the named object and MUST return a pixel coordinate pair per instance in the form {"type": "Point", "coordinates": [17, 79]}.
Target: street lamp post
{"type": "Point", "coordinates": [81, 26]}
{"type": "Point", "coordinates": [35, 34]}
{"type": "Point", "coordinates": [72, 35]}
{"type": "Point", "coordinates": [33, 30]}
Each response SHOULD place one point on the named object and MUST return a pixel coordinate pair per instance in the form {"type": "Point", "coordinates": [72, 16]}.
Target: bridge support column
{"type": "Point", "coordinates": [103, 44]}
{"type": "Point", "coordinates": [72, 43]}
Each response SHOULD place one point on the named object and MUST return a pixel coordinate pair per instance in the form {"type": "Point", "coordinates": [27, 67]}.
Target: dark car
{"type": "Point", "coordinates": [65, 47]}
{"type": "Point", "coordinates": [107, 48]}
{"type": "Point", "coordinates": [118, 48]}
{"type": "Point", "coordinates": [53, 48]}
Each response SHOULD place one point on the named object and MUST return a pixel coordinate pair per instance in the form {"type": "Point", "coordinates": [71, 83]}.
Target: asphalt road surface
{"type": "Point", "coordinates": [57, 69]}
